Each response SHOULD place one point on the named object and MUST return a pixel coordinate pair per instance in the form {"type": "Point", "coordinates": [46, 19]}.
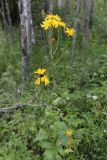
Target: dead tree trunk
{"type": "Point", "coordinates": [24, 35]}
{"type": "Point", "coordinates": [88, 9]}
{"type": "Point", "coordinates": [76, 11]}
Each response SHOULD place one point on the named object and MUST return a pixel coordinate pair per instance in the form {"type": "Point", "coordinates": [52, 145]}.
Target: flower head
{"type": "Point", "coordinates": [54, 21]}
{"type": "Point", "coordinates": [41, 71]}
{"type": "Point", "coordinates": [45, 80]}
{"type": "Point", "coordinates": [42, 80]}
{"type": "Point", "coordinates": [70, 32]}
{"type": "Point", "coordinates": [69, 133]}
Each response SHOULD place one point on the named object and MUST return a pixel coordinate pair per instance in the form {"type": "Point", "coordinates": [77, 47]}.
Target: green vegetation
{"type": "Point", "coordinates": [75, 100]}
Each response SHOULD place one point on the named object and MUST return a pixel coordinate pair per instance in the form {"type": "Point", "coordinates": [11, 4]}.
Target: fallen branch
{"type": "Point", "coordinates": [11, 109]}
{"type": "Point", "coordinates": [15, 107]}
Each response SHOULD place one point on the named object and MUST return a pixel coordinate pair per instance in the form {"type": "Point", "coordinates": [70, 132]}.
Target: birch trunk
{"type": "Point", "coordinates": [24, 34]}
{"type": "Point", "coordinates": [76, 11]}
{"type": "Point", "coordinates": [28, 26]}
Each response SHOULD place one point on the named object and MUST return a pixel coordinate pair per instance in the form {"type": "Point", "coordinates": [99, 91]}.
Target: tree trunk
{"type": "Point", "coordinates": [76, 11]}
{"type": "Point", "coordinates": [8, 15]}
{"type": "Point", "coordinates": [29, 27]}
{"type": "Point", "coordinates": [88, 9]}
{"type": "Point", "coordinates": [50, 11]}
{"type": "Point", "coordinates": [67, 10]}
{"type": "Point", "coordinates": [9, 21]}
{"type": "Point", "coordinates": [24, 35]}
{"type": "Point", "coordinates": [2, 11]}
{"type": "Point", "coordinates": [60, 5]}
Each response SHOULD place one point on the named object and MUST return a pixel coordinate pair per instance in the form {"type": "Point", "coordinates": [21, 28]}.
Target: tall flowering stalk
{"type": "Point", "coordinates": [50, 23]}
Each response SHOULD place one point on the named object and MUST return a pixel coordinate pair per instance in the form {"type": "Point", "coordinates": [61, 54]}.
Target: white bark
{"type": "Point", "coordinates": [76, 11]}
{"type": "Point", "coordinates": [24, 36]}
{"type": "Point", "coordinates": [29, 26]}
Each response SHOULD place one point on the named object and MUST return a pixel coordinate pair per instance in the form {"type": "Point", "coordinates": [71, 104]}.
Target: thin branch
{"type": "Point", "coordinates": [15, 107]}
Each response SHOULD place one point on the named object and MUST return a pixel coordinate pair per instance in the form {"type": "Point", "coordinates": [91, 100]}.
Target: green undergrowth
{"type": "Point", "coordinates": [77, 102]}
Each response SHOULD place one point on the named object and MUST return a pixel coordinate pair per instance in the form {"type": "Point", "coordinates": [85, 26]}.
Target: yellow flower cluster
{"type": "Point", "coordinates": [55, 21]}
{"type": "Point", "coordinates": [69, 133]}
{"type": "Point", "coordinates": [42, 79]}
{"type": "Point", "coordinates": [52, 21]}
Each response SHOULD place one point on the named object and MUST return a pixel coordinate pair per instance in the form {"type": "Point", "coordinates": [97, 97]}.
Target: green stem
{"type": "Point", "coordinates": [56, 45]}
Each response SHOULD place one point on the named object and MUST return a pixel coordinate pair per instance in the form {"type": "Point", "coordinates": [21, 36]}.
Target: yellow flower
{"type": "Point", "coordinates": [52, 21]}
{"type": "Point", "coordinates": [45, 80]}
{"type": "Point", "coordinates": [42, 80]}
{"type": "Point", "coordinates": [41, 71]}
{"type": "Point", "coordinates": [55, 17]}
{"type": "Point", "coordinates": [62, 24]}
{"type": "Point", "coordinates": [70, 31]}
{"type": "Point", "coordinates": [69, 133]}
{"type": "Point", "coordinates": [46, 25]}
{"type": "Point", "coordinates": [38, 81]}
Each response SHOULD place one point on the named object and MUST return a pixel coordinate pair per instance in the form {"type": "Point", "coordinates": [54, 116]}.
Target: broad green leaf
{"type": "Point", "coordinates": [42, 135]}
{"type": "Point", "coordinates": [50, 154]}
{"type": "Point", "coordinates": [62, 140]}
{"type": "Point", "coordinates": [58, 157]}
{"type": "Point", "coordinates": [45, 144]}
{"type": "Point", "coordinates": [60, 151]}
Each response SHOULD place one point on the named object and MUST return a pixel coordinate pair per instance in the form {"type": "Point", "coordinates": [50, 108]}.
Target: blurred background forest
{"type": "Point", "coordinates": [65, 118]}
